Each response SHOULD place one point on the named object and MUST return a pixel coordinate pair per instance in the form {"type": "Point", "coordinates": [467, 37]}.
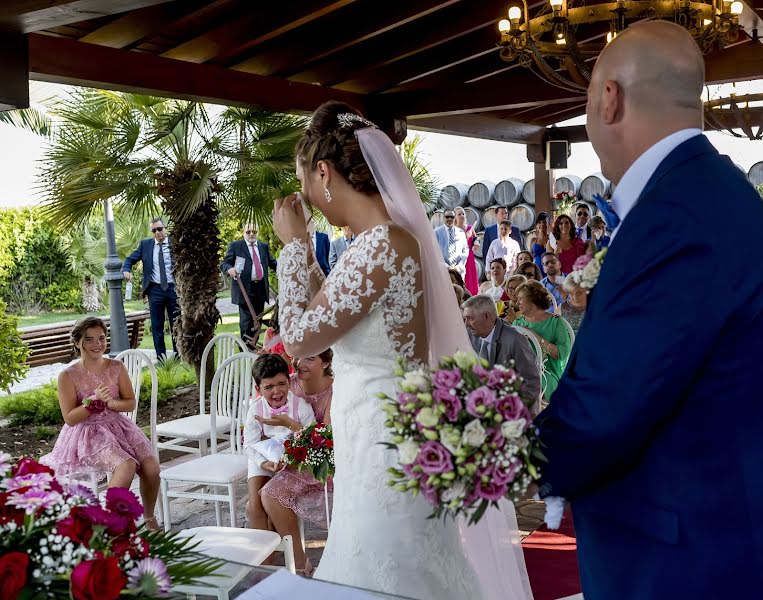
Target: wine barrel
{"type": "Point", "coordinates": [437, 219]}
{"type": "Point", "coordinates": [569, 184]}
{"type": "Point", "coordinates": [488, 217]}
{"type": "Point", "coordinates": [480, 268]}
{"type": "Point", "coordinates": [755, 175]}
{"type": "Point", "coordinates": [453, 195]}
{"type": "Point", "coordinates": [522, 216]}
{"type": "Point", "coordinates": [481, 194]}
{"type": "Point", "coordinates": [477, 248]}
{"type": "Point", "coordinates": [508, 192]}
{"type": "Point", "coordinates": [473, 217]}
{"type": "Point", "coordinates": [593, 185]}
{"type": "Point", "coordinates": [528, 192]}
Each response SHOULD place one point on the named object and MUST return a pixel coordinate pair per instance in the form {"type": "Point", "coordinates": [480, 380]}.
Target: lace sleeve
{"type": "Point", "coordinates": [364, 278]}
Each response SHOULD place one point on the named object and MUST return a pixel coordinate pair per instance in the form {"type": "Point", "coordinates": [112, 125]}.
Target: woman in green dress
{"type": "Point", "coordinates": [552, 334]}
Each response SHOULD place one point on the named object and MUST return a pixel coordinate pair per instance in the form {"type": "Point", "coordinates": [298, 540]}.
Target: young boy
{"type": "Point", "coordinates": [275, 413]}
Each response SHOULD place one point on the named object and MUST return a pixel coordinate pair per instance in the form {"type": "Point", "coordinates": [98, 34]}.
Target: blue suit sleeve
{"type": "Point", "coordinates": [130, 260]}
{"type": "Point", "coordinates": [633, 362]}
{"type": "Point", "coordinates": [272, 263]}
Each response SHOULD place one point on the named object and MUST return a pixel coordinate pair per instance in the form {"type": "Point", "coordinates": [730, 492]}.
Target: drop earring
{"type": "Point", "coordinates": [327, 194]}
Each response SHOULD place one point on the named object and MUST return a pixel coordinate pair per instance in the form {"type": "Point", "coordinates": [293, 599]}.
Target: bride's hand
{"type": "Point", "coordinates": [289, 219]}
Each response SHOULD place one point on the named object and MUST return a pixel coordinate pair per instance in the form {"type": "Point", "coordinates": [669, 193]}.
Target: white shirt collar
{"type": "Point", "coordinates": [640, 172]}
{"type": "Point", "coordinates": [166, 240]}
{"type": "Point", "coordinates": [490, 335]}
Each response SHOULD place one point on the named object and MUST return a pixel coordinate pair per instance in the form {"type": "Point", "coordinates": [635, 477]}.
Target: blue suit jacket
{"type": "Point", "coordinates": [144, 252]}
{"type": "Point", "coordinates": [322, 251]}
{"type": "Point", "coordinates": [658, 439]}
{"type": "Point", "coordinates": [239, 248]}
{"type": "Point", "coordinates": [491, 234]}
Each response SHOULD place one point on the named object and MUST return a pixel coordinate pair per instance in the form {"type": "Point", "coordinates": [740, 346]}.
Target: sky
{"type": "Point", "coordinates": [451, 158]}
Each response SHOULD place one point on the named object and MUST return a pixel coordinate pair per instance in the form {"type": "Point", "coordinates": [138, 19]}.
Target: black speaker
{"type": "Point", "coordinates": [557, 152]}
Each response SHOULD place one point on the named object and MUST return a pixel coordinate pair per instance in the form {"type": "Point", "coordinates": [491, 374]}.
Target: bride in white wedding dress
{"type": "Point", "coordinates": [388, 296]}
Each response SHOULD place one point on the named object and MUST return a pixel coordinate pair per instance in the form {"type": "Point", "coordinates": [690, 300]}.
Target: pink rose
{"type": "Point", "coordinates": [451, 402]}
{"type": "Point", "coordinates": [445, 379]}
{"type": "Point", "coordinates": [430, 494]}
{"type": "Point", "coordinates": [581, 262]}
{"type": "Point", "coordinates": [512, 408]}
{"type": "Point", "coordinates": [482, 397]}
{"type": "Point", "coordinates": [491, 490]}
{"type": "Point", "coordinates": [434, 458]}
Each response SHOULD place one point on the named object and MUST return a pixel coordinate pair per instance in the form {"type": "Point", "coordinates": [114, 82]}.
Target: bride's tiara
{"type": "Point", "coordinates": [347, 119]}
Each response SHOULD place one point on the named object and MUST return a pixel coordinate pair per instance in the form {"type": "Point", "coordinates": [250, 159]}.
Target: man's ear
{"type": "Point", "coordinates": [612, 102]}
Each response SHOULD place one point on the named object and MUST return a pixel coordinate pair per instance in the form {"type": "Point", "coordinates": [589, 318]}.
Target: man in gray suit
{"type": "Point", "coordinates": [499, 343]}
{"type": "Point", "coordinates": [339, 245]}
{"type": "Point", "coordinates": [452, 242]}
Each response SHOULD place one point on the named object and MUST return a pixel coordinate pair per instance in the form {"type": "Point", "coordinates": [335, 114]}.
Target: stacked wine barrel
{"type": "Point", "coordinates": [481, 199]}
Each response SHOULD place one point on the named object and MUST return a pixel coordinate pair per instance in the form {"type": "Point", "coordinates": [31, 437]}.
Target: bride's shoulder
{"type": "Point", "coordinates": [390, 236]}
{"type": "Point", "coordinates": [402, 239]}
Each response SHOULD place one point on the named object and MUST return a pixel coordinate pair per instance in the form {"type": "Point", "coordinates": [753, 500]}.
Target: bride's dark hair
{"type": "Point", "coordinates": [327, 139]}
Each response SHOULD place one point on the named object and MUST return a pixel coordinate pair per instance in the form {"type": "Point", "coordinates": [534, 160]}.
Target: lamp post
{"type": "Point", "coordinates": [113, 276]}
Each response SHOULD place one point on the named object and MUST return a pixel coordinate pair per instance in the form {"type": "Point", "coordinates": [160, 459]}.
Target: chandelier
{"type": "Point", "coordinates": [736, 113]}
{"type": "Point", "coordinates": [548, 42]}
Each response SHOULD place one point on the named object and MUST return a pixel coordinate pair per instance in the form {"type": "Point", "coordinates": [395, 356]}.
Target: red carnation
{"type": "Point", "coordinates": [135, 546]}
{"type": "Point", "coordinates": [13, 568]}
{"type": "Point", "coordinates": [28, 465]}
{"type": "Point", "coordinates": [329, 443]}
{"type": "Point", "coordinates": [99, 579]}
{"type": "Point", "coordinates": [77, 526]}
{"type": "Point", "coordinates": [300, 454]}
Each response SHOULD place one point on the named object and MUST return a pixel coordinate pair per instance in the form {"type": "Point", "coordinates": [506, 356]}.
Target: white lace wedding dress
{"type": "Point", "coordinates": [370, 311]}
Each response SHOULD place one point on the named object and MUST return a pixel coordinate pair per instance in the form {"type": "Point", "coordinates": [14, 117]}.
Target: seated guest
{"type": "Point", "coordinates": [566, 244]}
{"type": "Point", "coordinates": [275, 413]}
{"type": "Point", "coordinates": [459, 291]}
{"type": "Point", "coordinates": [599, 231]}
{"type": "Point", "coordinates": [530, 270]}
{"type": "Point", "coordinates": [512, 307]}
{"type": "Point", "coordinates": [573, 310]}
{"type": "Point", "coordinates": [554, 279]}
{"type": "Point", "coordinates": [534, 301]}
{"type": "Point", "coordinates": [291, 493]}
{"type": "Point", "coordinates": [456, 279]}
{"type": "Point", "coordinates": [524, 257]}
{"type": "Point", "coordinates": [500, 343]}
{"type": "Point", "coordinates": [504, 247]}
{"type": "Point", "coordinates": [495, 288]}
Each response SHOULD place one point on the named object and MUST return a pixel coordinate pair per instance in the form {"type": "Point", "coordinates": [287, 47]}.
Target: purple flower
{"type": "Point", "coordinates": [115, 524]}
{"type": "Point", "coordinates": [490, 490]}
{"type": "Point", "coordinates": [434, 458]}
{"type": "Point", "coordinates": [451, 402]}
{"type": "Point", "coordinates": [511, 407]}
{"type": "Point", "coordinates": [499, 475]}
{"type": "Point", "coordinates": [495, 378]}
{"type": "Point", "coordinates": [82, 493]}
{"type": "Point", "coordinates": [123, 502]}
{"type": "Point", "coordinates": [33, 499]}
{"type": "Point", "coordinates": [150, 577]}
{"type": "Point", "coordinates": [482, 397]}
{"type": "Point", "coordinates": [480, 371]}
{"type": "Point", "coordinates": [495, 436]}
{"type": "Point", "coordinates": [430, 494]}
{"type": "Point", "coordinates": [445, 379]}
{"type": "Point", "coordinates": [30, 480]}
{"type": "Point", "coordinates": [581, 262]}
{"type": "Point", "coordinates": [405, 399]}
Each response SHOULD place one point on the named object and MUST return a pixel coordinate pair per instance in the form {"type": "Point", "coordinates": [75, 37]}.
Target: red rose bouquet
{"type": "Point", "coordinates": [63, 543]}
{"type": "Point", "coordinates": [312, 449]}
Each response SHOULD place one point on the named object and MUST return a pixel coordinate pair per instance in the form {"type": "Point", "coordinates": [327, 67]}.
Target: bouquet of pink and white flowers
{"type": "Point", "coordinates": [585, 271]}
{"type": "Point", "coordinates": [464, 436]}
{"type": "Point", "coordinates": [58, 542]}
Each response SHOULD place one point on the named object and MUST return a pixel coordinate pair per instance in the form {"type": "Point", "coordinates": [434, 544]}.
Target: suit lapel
{"type": "Point", "coordinates": [495, 347]}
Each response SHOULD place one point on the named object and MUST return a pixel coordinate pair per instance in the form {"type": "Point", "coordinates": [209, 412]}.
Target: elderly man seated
{"type": "Point", "coordinates": [499, 343]}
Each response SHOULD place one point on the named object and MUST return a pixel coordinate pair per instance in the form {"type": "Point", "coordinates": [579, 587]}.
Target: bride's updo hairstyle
{"type": "Point", "coordinates": [326, 138]}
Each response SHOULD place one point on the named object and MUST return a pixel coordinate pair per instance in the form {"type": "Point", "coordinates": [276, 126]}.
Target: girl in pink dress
{"type": "Point", "coordinates": [97, 438]}
{"type": "Point", "coordinates": [471, 279]}
{"type": "Point", "coordinates": [292, 493]}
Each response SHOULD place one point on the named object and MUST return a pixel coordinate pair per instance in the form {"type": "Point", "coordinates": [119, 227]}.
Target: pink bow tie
{"type": "Point", "coordinates": [279, 411]}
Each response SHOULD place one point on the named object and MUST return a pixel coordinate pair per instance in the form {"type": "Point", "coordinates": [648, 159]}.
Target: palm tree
{"type": "Point", "coordinates": [428, 185]}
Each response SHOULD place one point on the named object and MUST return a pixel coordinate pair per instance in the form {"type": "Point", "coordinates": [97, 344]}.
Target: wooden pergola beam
{"type": "Point", "coordinates": [482, 127]}
{"type": "Point", "coordinates": [14, 71]}
{"type": "Point", "coordinates": [738, 63]}
{"type": "Point", "coordinates": [60, 60]}
{"type": "Point", "coordinates": [26, 16]}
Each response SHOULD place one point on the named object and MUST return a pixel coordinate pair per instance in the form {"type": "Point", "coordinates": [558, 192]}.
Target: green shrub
{"type": "Point", "coordinates": [35, 407]}
{"type": "Point", "coordinates": [43, 432]}
{"type": "Point", "coordinates": [58, 296]}
{"type": "Point", "coordinates": [171, 374]}
{"type": "Point", "coordinates": [13, 352]}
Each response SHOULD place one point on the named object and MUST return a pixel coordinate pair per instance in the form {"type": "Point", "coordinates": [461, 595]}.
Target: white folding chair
{"type": "Point", "coordinates": [231, 392]}
{"type": "Point", "coordinates": [538, 357]}
{"type": "Point", "coordinates": [196, 427]}
{"type": "Point", "coordinates": [301, 522]}
{"type": "Point", "coordinates": [238, 548]}
{"type": "Point", "coordinates": [570, 330]}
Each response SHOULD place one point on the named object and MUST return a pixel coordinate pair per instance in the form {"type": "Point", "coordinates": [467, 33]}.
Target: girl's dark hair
{"type": "Point", "coordinates": [326, 139]}
{"type": "Point", "coordinates": [80, 329]}
{"type": "Point", "coordinates": [269, 365]}
{"type": "Point", "coordinates": [327, 356]}
{"type": "Point", "coordinates": [454, 274]}
{"type": "Point", "coordinates": [558, 231]}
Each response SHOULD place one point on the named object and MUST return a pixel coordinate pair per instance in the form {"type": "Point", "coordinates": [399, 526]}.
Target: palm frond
{"type": "Point", "coordinates": [31, 119]}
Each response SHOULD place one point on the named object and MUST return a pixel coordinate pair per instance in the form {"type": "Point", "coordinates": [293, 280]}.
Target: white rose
{"type": "Point", "coordinates": [450, 438]}
{"type": "Point", "coordinates": [474, 434]}
{"type": "Point", "coordinates": [427, 417]}
{"type": "Point", "coordinates": [417, 379]}
{"type": "Point", "coordinates": [457, 490]}
{"type": "Point", "coordinates": [513, 429]}
{"type": "Point", "coordinates": [408, 451]}
{"type": "Point", "coordinates": [464, 361]}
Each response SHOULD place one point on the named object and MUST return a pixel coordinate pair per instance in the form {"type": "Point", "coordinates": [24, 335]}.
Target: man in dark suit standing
{"type": "Point", "coordinates": [654, 433]}
{"type": "Point", "coordinates": [158, 283]}
{"type": "Point", "coordinates": [256, 259]}
{"type": "Point", "coordinates": [322, 248]}
{"type": "Point", "coordinates": [491, 232]}
{"type": "Point", "coordinates": [582, 218]}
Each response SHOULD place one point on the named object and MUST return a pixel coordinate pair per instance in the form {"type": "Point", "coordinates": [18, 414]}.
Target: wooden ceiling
{"type": "Point", "coordinates": [432, 61]}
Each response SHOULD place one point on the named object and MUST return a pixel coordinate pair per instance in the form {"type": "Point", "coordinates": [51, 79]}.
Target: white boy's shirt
{"type": "Point", "coordinates": [254, 430]}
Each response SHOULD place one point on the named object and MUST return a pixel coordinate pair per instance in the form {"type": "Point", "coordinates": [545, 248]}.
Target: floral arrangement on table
{"type": "Point", "coordinates": [563, 202]}
{"type": "Point", "coordinates": [585, 271]}
{"type": "Point", "coordinates": [463, 435]}
{"type": "Point", "coordinates": [57, 543]}
{"type": "Point", "coordinates": [312, 450]}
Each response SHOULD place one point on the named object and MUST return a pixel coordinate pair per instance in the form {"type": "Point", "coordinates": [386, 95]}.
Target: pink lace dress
{"type": "Point", "coordinates": [101, 442]}
{"type": "Point", "coordinates": [298, 490]}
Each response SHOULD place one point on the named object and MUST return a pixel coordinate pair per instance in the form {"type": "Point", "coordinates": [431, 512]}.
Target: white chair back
{"type": "Point", "coordinates": [134, 361]}
{"type": "Point", "coordinates": [232, 387]}
{"type": "Point", "coordinates": [227, 345]}
{"type": "Point", "coordinates": [570, 330]}
{"type": "Point", "coordinates": [538, 360]}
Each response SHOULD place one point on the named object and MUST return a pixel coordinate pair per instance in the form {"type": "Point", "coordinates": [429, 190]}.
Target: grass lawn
{"type": "Point", "coordinates": [229, 325]}
{"type": "Point", "coordinates": [72, 315]}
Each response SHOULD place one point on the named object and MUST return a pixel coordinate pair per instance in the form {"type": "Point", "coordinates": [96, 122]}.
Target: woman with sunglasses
{"type": "Point", "coordinates": [569, 247]}
{"type": "Point", "coordinates": [530, 270]}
